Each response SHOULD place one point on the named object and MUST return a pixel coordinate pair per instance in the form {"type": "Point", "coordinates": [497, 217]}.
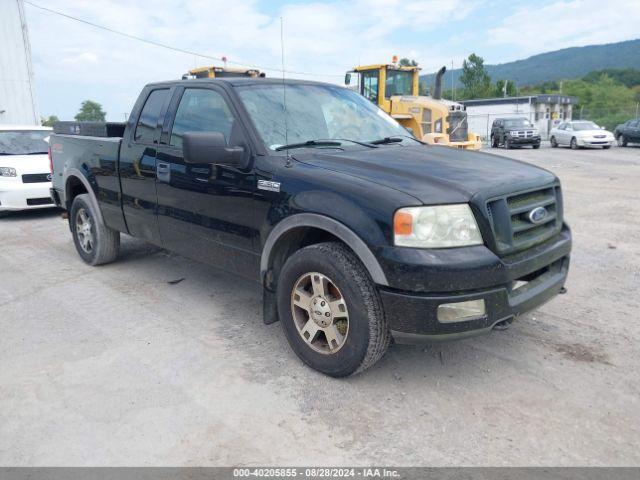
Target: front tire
{"type": "Point", "coordinates": [507, 144]}
{"type": "Point", "coordinates": [330, 310]}
{"type": "Point", "coordinates": [535, 147]}
{"type": "Point", "coordinates": [574, 144]}
{"type": "Point", "coordinates": [96, 243]}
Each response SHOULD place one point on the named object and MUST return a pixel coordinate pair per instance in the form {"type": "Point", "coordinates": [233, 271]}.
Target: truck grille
{"type": "Point", "coordinates": [522, 133]}
{"type": "Point", "coordinates": [513, 222]}
{"type": "Point", "coordinates": [36, 177]}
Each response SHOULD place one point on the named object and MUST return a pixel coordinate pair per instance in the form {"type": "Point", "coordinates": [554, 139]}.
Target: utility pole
{"type": "Point", "coordinates": [453, 87]}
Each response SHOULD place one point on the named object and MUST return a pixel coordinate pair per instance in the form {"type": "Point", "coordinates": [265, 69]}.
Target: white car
{"type": "Point", "coordinates": [25, 172]}
{"type": "Point", "coordinates": [580, 133]}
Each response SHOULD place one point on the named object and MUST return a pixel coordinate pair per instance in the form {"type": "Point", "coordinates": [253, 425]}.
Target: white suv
{"type": "Point", "coordinates": [25, 173]}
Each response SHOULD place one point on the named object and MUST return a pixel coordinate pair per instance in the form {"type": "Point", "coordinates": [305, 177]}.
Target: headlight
{"type": "Point", "coordinates": [7, 172]}
{"type": "Point", "coordinates": [439, 226]}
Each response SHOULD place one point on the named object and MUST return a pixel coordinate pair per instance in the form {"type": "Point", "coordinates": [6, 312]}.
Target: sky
{"type": "Point", "coordinates": [322, 39]}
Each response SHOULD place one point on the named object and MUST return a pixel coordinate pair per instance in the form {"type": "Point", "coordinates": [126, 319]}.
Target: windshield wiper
{"type": "Point", "coordinates": [386, 140]}
{"type": "Point", "coordinates": [364, 144]}
{"type": "Point", "coordinates": [310, 143]}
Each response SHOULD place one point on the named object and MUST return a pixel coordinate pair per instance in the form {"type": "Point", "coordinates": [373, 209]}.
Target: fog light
{"type": "Point", "coordinates": [461, 311]}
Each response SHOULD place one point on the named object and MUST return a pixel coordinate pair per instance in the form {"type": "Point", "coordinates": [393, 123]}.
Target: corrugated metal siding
{"type": "Point", "coordinates": [17, 91]}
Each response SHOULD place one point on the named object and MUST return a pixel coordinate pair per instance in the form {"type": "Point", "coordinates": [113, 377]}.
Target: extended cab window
{"type": "Point", "coordinates": [201, 110]}
{"type": "Point", "coordinates": [148, 121]}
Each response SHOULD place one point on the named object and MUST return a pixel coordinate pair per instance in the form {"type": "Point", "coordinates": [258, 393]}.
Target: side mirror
{"type": "Point", "coordinates": [347, 79]}
{"type": "Point", "coordinates": [210, 147]}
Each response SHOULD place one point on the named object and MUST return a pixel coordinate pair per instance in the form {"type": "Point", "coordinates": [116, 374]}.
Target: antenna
{"type": "Point", "coordinates": [284, 91]}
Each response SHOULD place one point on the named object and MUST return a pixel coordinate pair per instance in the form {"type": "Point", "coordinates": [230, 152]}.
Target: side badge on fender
{"type": "Point", "coordinates": [269, 185]}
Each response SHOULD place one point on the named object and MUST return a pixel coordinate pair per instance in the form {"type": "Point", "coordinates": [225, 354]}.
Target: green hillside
{"type": "Point", "coordinates": [560, 64]}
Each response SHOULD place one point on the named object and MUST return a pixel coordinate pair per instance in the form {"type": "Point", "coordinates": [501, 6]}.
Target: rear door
{"type": "Point", "coordinates": [138, 165]}
{"type": "Point", "coordinates": [206, 211]}
{"type": "Point", "coordinates": [634, 131]}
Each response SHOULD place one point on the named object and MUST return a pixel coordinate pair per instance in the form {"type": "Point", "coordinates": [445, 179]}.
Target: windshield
{"type": "Point", "coordinates": [585, 126]}
{"type": "Point", "coordinates": [398, 82]}
{"type": "Point", "coordinates": [316, 112]}
{"type": "Point", "coordinates": [23, 142]}
{"type": "Point", "coordinates": [518, 122]}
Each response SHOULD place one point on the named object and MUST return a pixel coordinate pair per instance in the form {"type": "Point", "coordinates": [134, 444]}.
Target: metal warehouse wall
{"type": "Point", "coordinates": [17, 89]}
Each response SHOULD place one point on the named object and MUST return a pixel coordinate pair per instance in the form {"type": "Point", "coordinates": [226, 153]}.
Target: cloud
{"type": "Point", "coordinates": [323, 39]}
{"type": "Point", "coordinates": [561, 24]}
{"type": "Point", "coordinates": [85, 57]}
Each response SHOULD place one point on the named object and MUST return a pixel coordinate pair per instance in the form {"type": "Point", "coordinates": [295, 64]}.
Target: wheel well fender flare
{"type": "Point", "coordinates": [74, 173]}
{"type": "Point", "coordinates": [351, 239]}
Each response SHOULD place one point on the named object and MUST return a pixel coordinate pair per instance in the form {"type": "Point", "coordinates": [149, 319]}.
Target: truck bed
{"type": "Point", "coordinates": [80, 152]}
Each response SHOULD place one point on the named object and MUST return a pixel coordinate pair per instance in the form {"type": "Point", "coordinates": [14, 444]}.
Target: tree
{"type": "Point", "coordinates": [90, 111]}
{"type": "Point", "coordinates": [475, 80]}
{"type": "Point", "coordinates": [405, 62]}
{"type": "Point", "coordinates": [499, 90]}
{"type": "Point", "coordinates": [48, 122]}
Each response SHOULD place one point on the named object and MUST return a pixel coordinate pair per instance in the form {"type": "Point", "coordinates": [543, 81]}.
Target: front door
{"type": "Point", "coordinates": [137, 167]}
{"type": "Point", "coordinates": [205, 211]}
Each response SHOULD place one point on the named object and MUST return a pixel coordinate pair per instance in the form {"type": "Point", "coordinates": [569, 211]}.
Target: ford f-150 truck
{"type": "Point", "coordinates": [357, 232]}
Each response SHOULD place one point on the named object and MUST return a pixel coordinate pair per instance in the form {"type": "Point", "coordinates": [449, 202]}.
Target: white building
{"type": "Point", "coordinates": [17, 88]}
{"type": "Point", "coordinates": [543, 110]}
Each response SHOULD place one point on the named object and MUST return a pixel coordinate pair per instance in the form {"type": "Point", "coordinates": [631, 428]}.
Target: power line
{"type": "Point", "coordinates": [170, 47]}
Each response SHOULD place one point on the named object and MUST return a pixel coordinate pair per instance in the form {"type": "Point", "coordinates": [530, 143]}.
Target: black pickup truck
{"type": "Point", "coordinates": [357, 232]}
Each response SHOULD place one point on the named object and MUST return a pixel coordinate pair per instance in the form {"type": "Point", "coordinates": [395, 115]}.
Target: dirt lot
{"type": "Point", "coordinates": [115, 366]}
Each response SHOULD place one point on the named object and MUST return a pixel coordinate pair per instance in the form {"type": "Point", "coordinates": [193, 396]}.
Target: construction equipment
{"type": "Point", "coordinates": [432, 119]}
{"type": "Point", "coordinates": [222, 72]}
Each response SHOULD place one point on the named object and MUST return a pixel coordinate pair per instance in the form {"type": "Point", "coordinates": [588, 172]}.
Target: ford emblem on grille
{"type": "Point", "coordinates": [537, 215]}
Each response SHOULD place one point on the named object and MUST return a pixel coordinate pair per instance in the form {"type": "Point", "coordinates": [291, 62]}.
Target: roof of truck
{"type": "Point", "coordinates": [241, 81]}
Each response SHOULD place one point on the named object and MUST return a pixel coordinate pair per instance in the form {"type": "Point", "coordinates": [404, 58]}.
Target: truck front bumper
{"type": "Point", "coordinates": [15, 195]}
{"type": "Point", "coordinates": [516, 141]}
{"type": "Point", "coordinates": [508, 287]}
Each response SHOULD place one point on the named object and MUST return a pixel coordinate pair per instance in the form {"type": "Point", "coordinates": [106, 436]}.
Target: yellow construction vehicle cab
{"type": "Point", "coordinates": [433, 120]}
{"type": "Point", "coordinates": [221, 72]}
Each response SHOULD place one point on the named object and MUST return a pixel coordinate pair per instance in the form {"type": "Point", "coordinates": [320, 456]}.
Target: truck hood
{"type": "Point", "coordinates": [433, 174]}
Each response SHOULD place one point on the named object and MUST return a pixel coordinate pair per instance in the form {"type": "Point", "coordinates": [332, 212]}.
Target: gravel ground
{"type": "Point", "coordinates": [115, 366]}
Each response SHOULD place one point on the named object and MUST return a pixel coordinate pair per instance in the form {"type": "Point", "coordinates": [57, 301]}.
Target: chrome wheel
{"type": "Point", "coordinates": [320, 313]}
{"type": "Point", "coordinates": [84, 230]}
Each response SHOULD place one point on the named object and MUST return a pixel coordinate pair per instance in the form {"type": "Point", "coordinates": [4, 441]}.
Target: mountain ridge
{"type": "Point", "coordinates": [566, 63]}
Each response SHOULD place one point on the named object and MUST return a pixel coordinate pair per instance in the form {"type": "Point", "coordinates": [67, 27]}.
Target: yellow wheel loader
{"type": "Point", "coordinates": [433, 120]}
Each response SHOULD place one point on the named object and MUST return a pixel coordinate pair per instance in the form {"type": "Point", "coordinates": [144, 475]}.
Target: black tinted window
{"type": "Point", "coordinates": [146, 128]}
{"type": "Point", "coordinates": [201, 110]}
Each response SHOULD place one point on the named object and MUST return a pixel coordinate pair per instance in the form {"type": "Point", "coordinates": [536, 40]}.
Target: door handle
{"type": "Point", "coordinates": [163, 172]}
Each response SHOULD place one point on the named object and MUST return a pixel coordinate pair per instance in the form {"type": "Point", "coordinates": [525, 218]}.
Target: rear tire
{"type": "Point", "coordinates": [324, 289]}
{"type": "Point", "coordinates": [606, 147]}
{"type": "Point", "coordinates": [554, 142]}
{"type": "Point", "coordinates": [622, 141]}
{"type": "Point", "coordinates": [96, 243]}
{"type": "Point", "coordinates": [494, 142]}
